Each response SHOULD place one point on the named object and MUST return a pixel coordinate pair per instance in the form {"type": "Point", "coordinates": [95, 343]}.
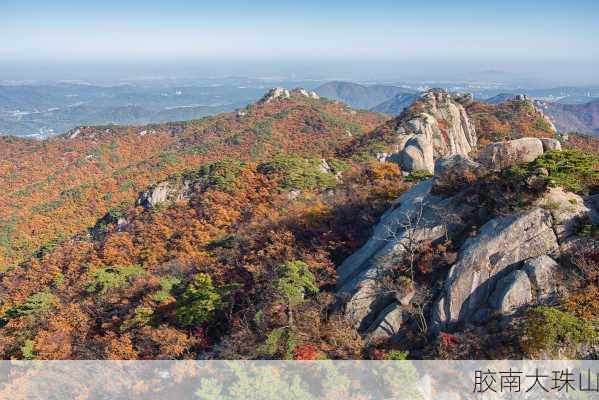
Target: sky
{"type": "Point", "coordinates": [393, 31]}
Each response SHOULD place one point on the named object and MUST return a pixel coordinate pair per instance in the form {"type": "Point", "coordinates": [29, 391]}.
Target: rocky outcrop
{"type": "Point", "coordinates": [511, 292]}
{"type": "Point", "coordinates": [567, 209]}
{"type": "Point", "coordinates": [437, 122]}
{"type": "Point", "coordinates": [452, 173]}
{"type": "Point", "coordinates": [535, 281]}
{"type": "Point", "coordinates": [500, 155]}
{"type": "Point", "coordinates": [417, 155]}
{"type": "Point", "coordinates": [406, 204]}
{"type": "Point", "coordinates": [503, 266]}
{"type": "Point", "coordinates": [165, 191]}
{"type": "Point", "coordinates": [274, 94]}
{"type": "Point", "coordinates": [418, 216]}
{"type": "Point", "coordinates": [536, 106]}
{"type": "Point", "coordinates": [542, 272]}
{"type": "Point", "coordinates": [282, 93]}
{"type": "Point", "coordinates": [501, 244]}
{"type": "Point", "coordinates": [306, 93]}
{"type": "Point", "coordinates": [387, 323]}
{"type": "Point", "coordinates": [551, 144]}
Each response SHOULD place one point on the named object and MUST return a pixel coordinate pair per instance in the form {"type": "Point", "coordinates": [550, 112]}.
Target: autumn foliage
{"type": "Point", "coordinates": [90, 274]}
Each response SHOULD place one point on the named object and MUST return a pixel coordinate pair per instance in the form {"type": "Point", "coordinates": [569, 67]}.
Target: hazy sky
{"type": "Point", "coordinates": [76, 30]}
{"type": "Point", "coordinates": [551, 41]}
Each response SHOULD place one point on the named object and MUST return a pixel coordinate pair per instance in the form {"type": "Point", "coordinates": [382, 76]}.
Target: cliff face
{"type": "Point", "coordinates": [435, 125]}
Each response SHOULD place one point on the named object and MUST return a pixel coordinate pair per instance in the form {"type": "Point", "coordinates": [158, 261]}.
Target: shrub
{"type": "Point", "coordinates": [549, 328]}
{"type": "Point", "coordinates": [118, 211]}
{"type": "Point", "coordinates": [224, 242]}
{"type": "Point", "coordinates": [114, 277]}
{"type": "Point", "coordinates": [541, 124]}
{"type": "Point", "coordinates": [263, 129]}
{"type": "Point", "coordinates": [279, 342]}
{"type": "Point", "coordinates": [142, 316]}
{"type": "Point", "coordinates": [584, 304]}
{"type": "Point", "coordinates": [221, 175]}
{"type": "Point", "coordinates": [48, 207]}
{"type": "Point", "coordinates": [298, 173]}
{"type": "Point", "coordinates": [417, 176]}
{"type": "Point", "coordinates": [7, 229]}
{"type": "Point", "coordinates": [295, 280]}
{"type": "Point", "coordinates": [167, 284]}
{"type": "Point", "coordinates": [127, 185]}
{"type": "Point", "coordinates": [589, 230]}
{"type": "Point", "coordinates": [36, 303]}
{"type": "Point", "coordinates": [572, 169]}
{"type": "Point", "coordinates": [337, 165]}
{"type": "Point", "coordinates": [396, 355]}
{"type": "Point", "coordinates": [27, 350]}
{"type": "Point", "coordinates": [306, 352]}
{"type": "Point", "coordinates": [74, 194]}
{"type": "Point", "coordinates": [199, 302]}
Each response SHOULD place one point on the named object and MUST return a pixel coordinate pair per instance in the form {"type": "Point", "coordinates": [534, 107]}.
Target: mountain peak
{"type": "Point", "coordinates": [435, 125]}
{"type": "Point", "coordinates": [283, 93]}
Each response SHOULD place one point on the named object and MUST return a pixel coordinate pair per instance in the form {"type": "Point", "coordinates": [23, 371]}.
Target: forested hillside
{"type": "Point", "coordinates": [254, 234]}
{"type": "Point", "coordinates": [59, 187]}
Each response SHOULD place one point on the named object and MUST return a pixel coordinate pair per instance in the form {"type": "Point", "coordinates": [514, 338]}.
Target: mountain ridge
{"type": "Point", "coordinates": [229, 237]}
{"type": "Point", "coordinates": [583, 118]}
{"type": "Point", "coordinates": [359, 96]}
{"type": "Point", "coordinates": [115, 152]}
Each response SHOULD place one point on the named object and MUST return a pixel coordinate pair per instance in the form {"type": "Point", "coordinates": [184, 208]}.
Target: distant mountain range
{"type": "Point", "coordinates": [43, 110]}
{"type": "Point", "coordinates": [361, 96]}
{"type": "Point", "coordinates": [568, 99]}
{"type": "Point", "coordinates": [397, 104]}
{"type": "Point", "coordinates": [54, 121]}
{"type": "Point", "coordinates": [583, 118]}
{"type": "Point", "coordinates": [568, 114]}
{"type": "Point", "coordinates": [500, 98]}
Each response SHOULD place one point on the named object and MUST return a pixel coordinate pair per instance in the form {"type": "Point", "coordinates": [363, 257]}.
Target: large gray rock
{"type": "Point", "coordinates": [437, 125]}
{"type": "Point", "coordinates": [500, 155]}
{"type": "Point", "coordinates": [511, 292]}
{"type": "Point", "coordinates": [387, 323]}
{"type": "Point", "coordinates": [454, 172]}
{"type": "Point", "coordinates": [164, 192]}
{"type": "Point", "coordinates": [274, 94]}
{"type": "Point", "coordinates": [309, 94]}
{"type": "Point", "coordinates": [567, 209]}
{"type": "Point", "coordinates": [551, 144]}
{"type": "Point", "coordinates": [417, 155]}
{"type": "Point", "coordinates": [542, 274]}
{"type": "Point", "coordinates": [407, 203]}
{"type": "Point", "coordinates": [360, 275]}
{"type": "Point", "coordinates": [501, 243]}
